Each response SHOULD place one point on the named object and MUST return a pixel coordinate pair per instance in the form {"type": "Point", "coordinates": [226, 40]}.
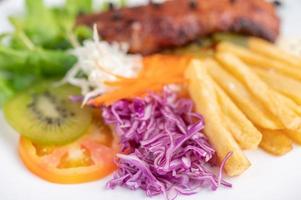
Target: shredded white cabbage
{"type": "Point", "coordinates": [98, 62]}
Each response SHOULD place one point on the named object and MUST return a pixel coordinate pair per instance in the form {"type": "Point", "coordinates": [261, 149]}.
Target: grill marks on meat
{"type": "Point", "coordinates": [151, 28]}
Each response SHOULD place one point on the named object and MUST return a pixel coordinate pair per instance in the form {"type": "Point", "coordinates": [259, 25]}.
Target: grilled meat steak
{"type": "Point", "coordinates": [153, 27]}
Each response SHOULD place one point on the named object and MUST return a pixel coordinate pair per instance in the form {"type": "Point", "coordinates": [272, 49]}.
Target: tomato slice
{"type": "Point", "coordinates": [87, 159]}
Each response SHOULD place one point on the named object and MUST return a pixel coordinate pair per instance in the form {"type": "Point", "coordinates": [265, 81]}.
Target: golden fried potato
{"type": "Point", "coordinates": [294, 135]}
{"type": "Point", "coordinates": [258, 60]}
{"type": "Point", "coordinates": [275, 142]}
{"type": "Point", "coordinates": [247, 103]}
{"type": "Point", "coordinates": [203, 93]}
{"type": "Point", "coordinates": [285, 85]}
{"type": "Point", "coordinates": [260, 90]}
{"type": "Point", "coordinates": [242, 129]}
{"type": "Point", "coordinates": [265, 48]}
{"type": "Point", "coordinates": [293, 106]}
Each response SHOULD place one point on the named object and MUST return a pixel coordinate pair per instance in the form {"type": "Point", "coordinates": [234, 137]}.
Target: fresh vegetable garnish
{"type": "Point", "coordinates": [38, 62]}
{"type": "Point", "coordinates": [100, 62]}
{"type": "Point", "coordinates": [87, 159]}
{"type": "Point", "coordinates": [37, 48]}
{"type": "Point", "coordinates": [163, 148]}
{"type": "Point", "coordinates": [6, 91]}
{"type": "Point", "coordinates": [45, 115]}
{"type": "Point", "coordinates": [49, 28]}
{"type": "Point", "coordinates": [158, 71]}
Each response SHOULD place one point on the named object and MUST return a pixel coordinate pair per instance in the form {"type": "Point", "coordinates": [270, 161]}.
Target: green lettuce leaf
{"type": "Point", "coordinates": [40, 62]}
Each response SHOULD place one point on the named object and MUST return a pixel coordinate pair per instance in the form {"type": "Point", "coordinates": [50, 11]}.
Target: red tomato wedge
{"type": "Point", "coordinates": [87, 159]}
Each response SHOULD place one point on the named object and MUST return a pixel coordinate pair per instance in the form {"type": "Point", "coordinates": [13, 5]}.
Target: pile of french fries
{"type": "Point", "coordinates": [250, 97]}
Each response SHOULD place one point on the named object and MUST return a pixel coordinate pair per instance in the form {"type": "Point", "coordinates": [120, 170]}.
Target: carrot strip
{"type": "Point", "coordinates": [158, 70]}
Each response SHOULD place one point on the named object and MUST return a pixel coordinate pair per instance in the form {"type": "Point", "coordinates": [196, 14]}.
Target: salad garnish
{"type": "Point", "coordinates": [157, 72]}
{"type": "Point", "coordinates": [37, 48]}
{"type": "Point", "coordinates": [163, 149]}
{"type": "Point", "coordinates": [100, 62]}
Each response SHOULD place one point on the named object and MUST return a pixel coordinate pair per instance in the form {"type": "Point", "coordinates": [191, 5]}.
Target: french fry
{"type": "Point", "coordinates": [251, 107]}
{"type": "Point", "coordinates": [294, 135]}
{"type": "Point", "coordinates": [258, 60]}
{"type": "Point", "coordinates": [275, 142]}
{"type": "Point", "coordinates": [293, 106]}
{"type": "Point", "coordinates": [260, 90]}
{"type": "Point", "coordinates": [281, 83]}
{"type": "Point", "coordinates": [203, 93]}
{"type": "Point", "coordinates": [242, 129]}
{"type": "Point", "coordinates": [265, 48]}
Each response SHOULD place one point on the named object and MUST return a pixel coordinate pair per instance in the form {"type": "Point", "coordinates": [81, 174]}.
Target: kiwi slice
{"type": "Point", "coordinates": [45, 115]}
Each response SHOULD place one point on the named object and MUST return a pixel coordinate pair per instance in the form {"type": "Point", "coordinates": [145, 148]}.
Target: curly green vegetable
{"type": "Point", "coordinates": [38, 48]}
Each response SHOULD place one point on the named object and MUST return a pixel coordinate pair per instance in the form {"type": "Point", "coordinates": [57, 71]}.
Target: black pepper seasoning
{"type": "Point", "coordinates": [154, 4]}
{"type": "Point", "coordinates": [111, 6]}
{"type": "Point", "coordinates": [277, 3]}
{"type": "Point", "coordinates": [116, 16]}
{"type": "Point", "coordinates": [193, 4]}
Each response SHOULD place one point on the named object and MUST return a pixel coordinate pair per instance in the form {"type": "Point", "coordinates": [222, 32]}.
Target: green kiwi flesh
{"type": "Point", "coordinates": [45, 115]}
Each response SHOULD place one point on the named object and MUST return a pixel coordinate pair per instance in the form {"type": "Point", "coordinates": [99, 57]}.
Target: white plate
{"type": "Point", "coordinates": [269, 178]}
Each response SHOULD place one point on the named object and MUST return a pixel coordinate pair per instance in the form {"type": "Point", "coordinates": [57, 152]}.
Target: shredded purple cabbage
{"type": "Point", "coordinates": [163, 150]}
